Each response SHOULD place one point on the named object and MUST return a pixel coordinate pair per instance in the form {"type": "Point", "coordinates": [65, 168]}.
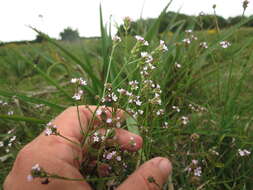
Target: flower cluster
{"type": "Point", "coordinates": [189, 37]}
{"type": "Point", "coordinates": [225, 44]}
{"type": "Point", "coordinates": [10, 113]}
{"type": "Point", "coordinates": [116, 39]}
{"type": "Point", "coordinates": [97, 137]}
{"type": "Point", "coordinates": [79, 92]}
{"type": "Point", "coordinates": [203, 45]}
{"type": "Point", "coordinates": [80, 81]}
{"type": "Point", "coordinates": [110, 96]}
{"type": "Point", "coordinates": [243, 152]}
{"type": "Point", "coordinates": [197, 108]}
{"type": "Point", "coordinates": [78, 95]}
{"type": "Point", "coordinates": [51, 129]}
{"type": "Point", "coordinates": [185, 120]}
{"type": "Point", "coordinates": [3, 103]}
{"type": "Point", "coordinates": [141, 40]}
{"type": "Point", "coordinates": [194, 168]}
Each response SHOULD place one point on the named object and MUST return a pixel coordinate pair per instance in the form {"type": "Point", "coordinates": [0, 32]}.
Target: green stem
{"type": "Point", "coordinates": [79, 179]}
{"type": "Point", "coordinates": [58, 134]}
{"type": "Point", "coordinates": [109, 68]}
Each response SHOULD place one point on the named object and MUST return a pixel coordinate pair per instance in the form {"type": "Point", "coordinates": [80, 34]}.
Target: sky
{"type": "Point", "coordinates": [52, 16]}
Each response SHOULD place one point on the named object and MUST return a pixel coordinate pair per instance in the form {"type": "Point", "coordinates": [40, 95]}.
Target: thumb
{"type": "Point", "coordinates": [151, 175]}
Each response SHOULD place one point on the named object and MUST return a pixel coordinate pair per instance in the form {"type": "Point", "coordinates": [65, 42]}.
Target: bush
{"type": "Point", "coordinates": [69, 34]}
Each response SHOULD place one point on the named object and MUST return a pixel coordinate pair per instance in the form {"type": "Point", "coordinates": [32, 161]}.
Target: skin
{"type": "Point", "coordinates": [57, 155]}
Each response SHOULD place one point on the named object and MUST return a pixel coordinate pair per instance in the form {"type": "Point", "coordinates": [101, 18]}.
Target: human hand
{"type": "Point", "coordinates": [57, 156]}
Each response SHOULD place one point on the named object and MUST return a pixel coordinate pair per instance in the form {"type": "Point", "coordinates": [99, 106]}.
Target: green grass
{"type": "Point", "coordinates": [216, 81]}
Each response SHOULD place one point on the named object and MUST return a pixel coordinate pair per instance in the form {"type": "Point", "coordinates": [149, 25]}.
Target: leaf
{"type": "Point", "coordinates": [132, 125]}
{"type": "Point", "coordinates": [32, 100]}
{"type": "Point", "coordinates": [22, 118]}
{"type": "Point", "coordinates": [87, 68]}
{"type": "Point", "coordinates": [154, 28]}
{"type": "Point", "coordinates": [45, 76]}
{"type": "Point", "coordinates": [5, 157]}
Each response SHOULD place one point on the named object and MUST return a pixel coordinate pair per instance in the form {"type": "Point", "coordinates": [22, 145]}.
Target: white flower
{"type": "Point", "coordinates": [118, 158]}
{"type": "Point", "coordinates": [110, 155]}
{"type": "Point", "coordinates": [160, 112]}
{"type": "Point", "coordinates": [164, 47]}
{"type": "Point", "coordinates": [36, 167]}
{"type": "Point", "coordinates": [80, 80]}
{"type": "Point", "coordinates": [134, 84]}
{"type": "Point", "coordinates": [185, 120]}
{"type": "Point", "coordinates": [114, 97]}
{"type": "Point", "coordinates": [118, 124]}
{"type": "Point", "coordinates": [10, 113]}
{"type": "Point", "coordinates": [77, 96]}
{"type": "Point", "coordinates": [4, 103]}
{"type": "Point", "coordinates": [102, 138]}
{"type": "Point", "coordinates": [48, 131]}
{"type": "Point", "coordinates": [12, 139]}
{"type": "Point", "coordinates": [145, 43]}
{"type": "Point", "coordinates": [124, 165]}
{"type": "Point", "coordinates": [187, 40]}
{"type": "Point", "coordinates": [96, 139]}
{"type": "Point", "coordinates": [74, 80]}
{"type": "Point", "coordinates": [1, 143]}
{"type": "Point", "coordinates": [225, 44]}
{"type": "Point", "coordinates": [144, 54]}
{"type": "Point", "coordinates": [83, 83]}
{"type": "Point", "coordinates": [139, 38]}
{"type": "Point", "coordinates": [98, 112]}
{"type": "Point", "coordinates": [138, 103]}
{"type": "Point", "coordinates": [176, 108]}
{"type": "Point", "coordinates": [197, 171]}
{"type": "Point", "coordinates": [203, 45]}
{"type": "Point", "coordinates": [188, 31]}
{"type": "Point", "coordinates": [244, 152]}
{"type": "Point", "coordinates": [109, 120]}
{"type": "Point", "coordinates": [195, 162]}
{"type": "Point", "coordinates": [178, 65]}
{"type": "Point", "coordinates": [140, 112]}
{"type": "Point", "coordinates": [129, 93]}
{"type": "Point", "coordinates": [116, 38]}
{"type": "Point", "coordinates": [193, 37]}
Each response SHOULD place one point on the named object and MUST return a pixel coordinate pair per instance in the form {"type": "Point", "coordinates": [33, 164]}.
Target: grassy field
{"type": "Point", "coordinates": [206, 97]}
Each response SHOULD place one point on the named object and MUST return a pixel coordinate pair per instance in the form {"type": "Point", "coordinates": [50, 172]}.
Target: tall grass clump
{"type": "Point", "coordinates": [188, 94]}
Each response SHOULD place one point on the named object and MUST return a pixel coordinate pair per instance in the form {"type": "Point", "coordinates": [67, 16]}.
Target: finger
{"type": "Point", "coordinates": [125, 139]}
{"type": "Point", "coordinates": [151, 175]}
{"type": "Point", "coordinates": [128, 140]}
{"type": "Point", "coordinates": [73, 122]}
{"type": "Point", "coordinates": [28, 157]}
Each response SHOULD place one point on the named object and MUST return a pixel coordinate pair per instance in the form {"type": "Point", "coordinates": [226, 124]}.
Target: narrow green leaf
{"type": "Point", "coordinates": [132, 125]}
{"type": "Point", "coordinates": [32, 100]}
{"type": "Point", "coordinates": [96, 82]}
{"type": "Point", "coordinates": [22, 118]}
{"type": "Point", "coordinates": [154, 28]}
{"type": "Point", "coordinates": [45, 76]}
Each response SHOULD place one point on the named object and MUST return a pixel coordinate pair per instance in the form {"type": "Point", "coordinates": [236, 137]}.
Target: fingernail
{"type": "Point", "coordinates": [164, 166]}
